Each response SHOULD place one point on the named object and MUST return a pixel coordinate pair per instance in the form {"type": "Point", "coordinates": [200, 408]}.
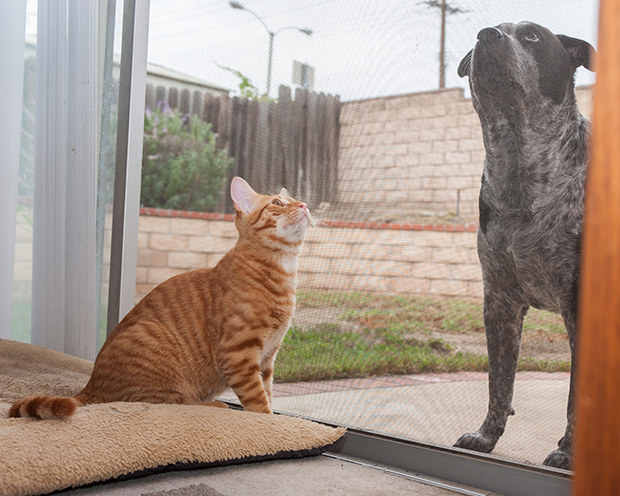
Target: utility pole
{"type": "Point", "coordinates": [445, 9]}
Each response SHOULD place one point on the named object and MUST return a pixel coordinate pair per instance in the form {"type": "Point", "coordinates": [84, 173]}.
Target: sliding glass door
{"type": "Point", "coordinates": [56, 238]}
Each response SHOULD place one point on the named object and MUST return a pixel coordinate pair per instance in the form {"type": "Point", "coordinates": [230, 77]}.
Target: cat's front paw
{"type": "Point", "coordinates": [262, 410]}
{"type": "Point", "coordinates": [257, 408]}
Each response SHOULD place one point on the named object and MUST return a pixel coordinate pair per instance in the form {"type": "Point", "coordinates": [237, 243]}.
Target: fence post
{"type": "Point", "coordinates": [150, 96]}
{"type": "Point", "coordinates": [160, 95]}
{"type": "Point", "coordinates": [332, 129]}
{"type": "Point", "coordinates": [173, 98]}
{"type": "Point", "coordinates": [223, 123]}
{"type": "Point", "coordinates": [196, 104]}
{"type": "Point", "coordinates": [184, 102]}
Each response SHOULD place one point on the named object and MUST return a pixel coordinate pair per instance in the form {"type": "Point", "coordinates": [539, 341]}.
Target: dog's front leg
{"type": "Point", "coordinates": [562, 457]}
{"type": "Point", "coordinates": [503, 322]}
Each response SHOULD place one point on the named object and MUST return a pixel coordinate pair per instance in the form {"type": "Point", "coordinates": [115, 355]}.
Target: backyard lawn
{"type": "Point", "coordinates": [342, 335]}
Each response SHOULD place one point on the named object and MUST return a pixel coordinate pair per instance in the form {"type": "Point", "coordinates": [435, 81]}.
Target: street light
{"type": "Point", "coordinates": [272, 34]}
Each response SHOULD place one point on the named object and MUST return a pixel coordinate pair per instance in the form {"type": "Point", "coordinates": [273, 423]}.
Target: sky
{"type": "Point", "coordinates": [359, 48]}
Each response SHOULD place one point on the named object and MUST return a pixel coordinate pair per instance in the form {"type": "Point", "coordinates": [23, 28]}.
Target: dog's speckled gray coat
{"type": "Point", "coordinates": [531, 200]}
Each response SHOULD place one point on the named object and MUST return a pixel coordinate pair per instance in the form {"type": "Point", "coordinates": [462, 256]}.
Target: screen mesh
{"type": "Point", "coordinates": [388, 334]}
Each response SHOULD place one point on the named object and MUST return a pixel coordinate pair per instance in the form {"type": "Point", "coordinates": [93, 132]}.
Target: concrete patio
{"type": "Point", "coordinates": [433, 408]}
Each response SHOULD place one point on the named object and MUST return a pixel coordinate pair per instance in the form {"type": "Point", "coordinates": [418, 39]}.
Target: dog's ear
{"type": "Point", "coordinates": [465, 65]}
{"type": "Point", "coordinates": [581, 53]}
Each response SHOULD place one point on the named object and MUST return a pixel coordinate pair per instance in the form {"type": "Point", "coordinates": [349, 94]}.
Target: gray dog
{"type": "Point", "coordinates": [531, 200]}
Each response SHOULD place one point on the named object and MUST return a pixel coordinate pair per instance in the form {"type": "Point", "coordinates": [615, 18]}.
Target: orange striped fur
{"type": "Point", "coordinates": [200, 332]}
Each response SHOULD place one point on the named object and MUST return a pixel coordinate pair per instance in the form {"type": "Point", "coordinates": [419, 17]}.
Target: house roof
{"type": "Point", "coordinates": [167, 73]}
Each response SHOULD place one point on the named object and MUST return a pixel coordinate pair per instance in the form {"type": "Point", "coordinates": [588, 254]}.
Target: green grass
{"type": "Point", "coordinates": [324, 352]}
{"type": "Point", "coordinates": [373, 335]}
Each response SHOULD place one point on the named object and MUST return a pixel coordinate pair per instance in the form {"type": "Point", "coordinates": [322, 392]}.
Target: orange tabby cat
{"type": "Point", "coordinates": [202, 331]}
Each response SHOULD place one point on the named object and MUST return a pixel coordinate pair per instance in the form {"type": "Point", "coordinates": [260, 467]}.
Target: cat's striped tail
{"type": "Point", "coordinates": [45, 407]}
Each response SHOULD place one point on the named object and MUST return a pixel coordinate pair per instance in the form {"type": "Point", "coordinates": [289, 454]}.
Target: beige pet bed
{"type": "Point", "coordinates": [117, 440]}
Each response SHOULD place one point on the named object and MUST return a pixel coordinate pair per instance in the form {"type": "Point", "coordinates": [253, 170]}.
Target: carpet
{"type": "Point", "coordinates": [122, 440]}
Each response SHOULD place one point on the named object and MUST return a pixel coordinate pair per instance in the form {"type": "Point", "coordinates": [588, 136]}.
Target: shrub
{"type": "Point", "coordinates": [181, 166]}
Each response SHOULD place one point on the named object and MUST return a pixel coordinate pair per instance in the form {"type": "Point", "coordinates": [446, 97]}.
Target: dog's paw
{"type": "Point", "coordinates": [558, 459]}
{"type": "Point", "coordinates": [476, 442]}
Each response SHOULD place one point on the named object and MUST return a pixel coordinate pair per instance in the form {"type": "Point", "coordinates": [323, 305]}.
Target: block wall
{"type": "Point", "coordinates": [407, 259]}
{"type": "Point", "coordinates": [413, 155]}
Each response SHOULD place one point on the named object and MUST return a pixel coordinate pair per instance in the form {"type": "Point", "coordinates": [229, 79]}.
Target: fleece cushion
{"type": "Point", "coordinates": [120, 440]}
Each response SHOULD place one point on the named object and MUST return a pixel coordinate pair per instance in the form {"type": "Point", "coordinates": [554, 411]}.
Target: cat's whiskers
{"type": "Point", "coordinates": [320, 223]}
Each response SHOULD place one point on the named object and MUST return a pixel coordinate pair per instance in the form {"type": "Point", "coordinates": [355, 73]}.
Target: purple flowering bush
{"type": "Point", "coordinates": [181, 166]}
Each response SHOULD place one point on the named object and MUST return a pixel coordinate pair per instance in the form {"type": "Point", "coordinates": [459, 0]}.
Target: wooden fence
{"type": "Point", "coordinates": [291, 143]}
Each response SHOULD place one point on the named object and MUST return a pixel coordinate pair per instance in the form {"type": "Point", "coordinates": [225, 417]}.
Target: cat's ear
{"type": "Point", "coordinates": [283, 192]}
{"type": "Point", "coordinates": [243, 196]}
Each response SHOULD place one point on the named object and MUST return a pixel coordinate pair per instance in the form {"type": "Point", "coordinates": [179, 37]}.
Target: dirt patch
{"type": "Point", "coordinates": [547, 346]}
{"type": "Point", "coordinates": [307, 316]}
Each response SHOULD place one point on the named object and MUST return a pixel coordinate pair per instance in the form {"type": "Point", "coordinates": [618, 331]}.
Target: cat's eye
{"type": "Point", "coordinates": [531, 36]}
{"type": "Point", "coordinates": [277, 202]}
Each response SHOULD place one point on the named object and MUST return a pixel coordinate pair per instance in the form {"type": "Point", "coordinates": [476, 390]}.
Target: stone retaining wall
{"type": "Point", "coordinates": [343, 256]}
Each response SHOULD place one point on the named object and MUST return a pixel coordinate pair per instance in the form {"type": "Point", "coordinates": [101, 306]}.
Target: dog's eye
{"type": "Point", "coordinates": [277, 202]}
{"type": "Point", "coordinates": [531, 36]}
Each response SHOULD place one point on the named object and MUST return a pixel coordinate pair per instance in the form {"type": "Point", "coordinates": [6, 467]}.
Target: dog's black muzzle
{"type": "Point", "coordinates": [490, 35]}
{"type": "Point", "coordinates": [487, 48]}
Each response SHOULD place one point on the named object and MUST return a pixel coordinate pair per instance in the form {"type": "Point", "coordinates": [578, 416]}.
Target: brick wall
{"type": "Point", "coordinates": [396, 258]}
{"type": "Point", "coordinates": [421, 154]}
{"type": "Point", "coordinates": [168, 246]}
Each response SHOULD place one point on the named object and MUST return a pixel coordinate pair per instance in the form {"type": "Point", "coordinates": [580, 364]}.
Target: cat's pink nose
{"type": "Point", "coordinates": [303, 206]}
